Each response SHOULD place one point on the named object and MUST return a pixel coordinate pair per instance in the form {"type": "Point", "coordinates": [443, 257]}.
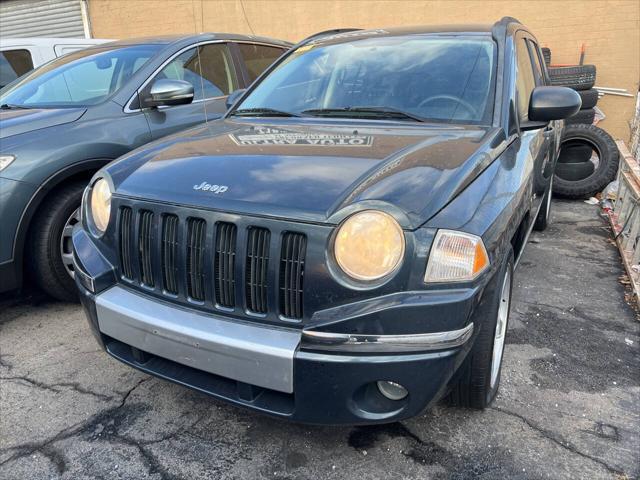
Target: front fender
{"type": "Point", "coordinates": [494, 205]}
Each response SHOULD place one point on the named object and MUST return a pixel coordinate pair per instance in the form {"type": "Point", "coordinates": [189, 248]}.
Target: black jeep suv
{"type": "Point", "coordinates": [340, 246]}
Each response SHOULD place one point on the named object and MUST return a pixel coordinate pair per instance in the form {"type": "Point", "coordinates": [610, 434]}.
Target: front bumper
{"type": "Point", "coordinates": [305, 376]}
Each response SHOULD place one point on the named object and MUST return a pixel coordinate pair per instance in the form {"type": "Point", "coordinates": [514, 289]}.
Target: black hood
{"type": "Point", "coordinates": [309, 170]}
{"type": "Point", "coordinates": [21, 120]}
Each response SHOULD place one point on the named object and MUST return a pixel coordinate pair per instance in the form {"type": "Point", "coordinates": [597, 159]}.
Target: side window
{"type": "Point", "coordinates": [208, 68]}
{"type": "Point", "coordinates": [86, 82]}
{"type": "Point", "coordinates": [14, 64]}
{"type": "Point", "coordinates": [258, 57]}
{"type": "Point", "coordinates": [538, 67]}
{"type": "Point", "coordinates": [525, 80]}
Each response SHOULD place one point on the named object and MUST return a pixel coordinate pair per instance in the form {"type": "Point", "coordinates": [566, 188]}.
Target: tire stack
{"type": "Point", "coordinates": [589, 158]}
{"type": "Point", "coordinates": [581, 78]}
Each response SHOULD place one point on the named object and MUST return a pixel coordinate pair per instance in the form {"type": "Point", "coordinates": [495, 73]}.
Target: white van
{"type": "Point", "coordinates": [19, 55]}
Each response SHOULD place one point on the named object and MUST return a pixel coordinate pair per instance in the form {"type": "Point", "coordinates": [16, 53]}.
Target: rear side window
{"type": "Point", "coordinates": [526, 81]}
{"type": "Point", "coordinates": [208, 68]}
{"type": "Point", "coordinates": [14, 64]}
{"type": "Point", "coordinates": [258, 57]}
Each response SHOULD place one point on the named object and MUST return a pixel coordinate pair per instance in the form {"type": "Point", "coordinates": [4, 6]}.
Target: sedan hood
{"type": "Point", "coordinates": [309, 170]}
{"type": "Point", "coordinates": [22, 120]}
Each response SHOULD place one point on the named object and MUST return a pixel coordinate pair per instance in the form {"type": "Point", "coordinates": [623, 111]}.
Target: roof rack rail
{"type": "Point", "coordinates": [507, 20]}
{"type": "Point", "coordinates": [325, 33]}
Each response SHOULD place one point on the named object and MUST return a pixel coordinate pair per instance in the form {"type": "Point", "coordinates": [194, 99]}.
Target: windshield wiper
{"type": "Point", "coordinates": [12, 106]}
{"type": "Point", "coordinates": [263, 112]}
{"type": "Point", "coordinates": [378, 112]}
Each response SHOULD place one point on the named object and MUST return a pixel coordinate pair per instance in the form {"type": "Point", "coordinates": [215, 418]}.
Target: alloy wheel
{"type": "Point", "coordinates": [501, 328]}
{"type": "Point", "coordinates": [66, 249]}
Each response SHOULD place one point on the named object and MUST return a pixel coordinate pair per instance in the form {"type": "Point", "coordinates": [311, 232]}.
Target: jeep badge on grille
{"type": "Point", "coordinates": [211, 188]}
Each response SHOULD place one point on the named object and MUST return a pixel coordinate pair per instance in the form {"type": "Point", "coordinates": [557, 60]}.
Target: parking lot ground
{"type": "Point", "coordinates": [569, 404]}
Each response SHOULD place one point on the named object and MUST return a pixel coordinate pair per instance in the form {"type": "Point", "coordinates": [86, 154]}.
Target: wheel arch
{"type": "Point", "coordinates": [519, 237]}
{"type": "Point", "coordinates": [76, 171]}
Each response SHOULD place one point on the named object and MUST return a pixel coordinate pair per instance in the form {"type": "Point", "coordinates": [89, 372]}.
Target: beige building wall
{"type": "Point", "coordinates": [609, 29]}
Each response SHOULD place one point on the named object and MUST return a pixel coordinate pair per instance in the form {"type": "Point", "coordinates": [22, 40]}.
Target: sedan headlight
{"type": "Point", "coordinates": [456, 257]}
{"type": "Point", "coordinates": [369, 245]}
{"type": "Point", "coordinates": [100, 204]}
{"type": "Point", "coordinates": [5, 160]}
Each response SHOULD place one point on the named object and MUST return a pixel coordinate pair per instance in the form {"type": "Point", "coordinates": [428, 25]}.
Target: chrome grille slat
{"type": "Point", "coordinates": [257, 263]}
{"type": "Point", "coordinates": [170, 253]}
{"type": "Point", "coordinates": [224, 264]}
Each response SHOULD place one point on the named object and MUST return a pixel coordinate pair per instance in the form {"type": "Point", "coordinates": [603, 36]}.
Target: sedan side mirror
{"type": "Point", "coordinates": [553, 103]}
{"type": "Point", "coordinates": [233, 97]}
{"type": "Point", "coordinates": [165, 92]}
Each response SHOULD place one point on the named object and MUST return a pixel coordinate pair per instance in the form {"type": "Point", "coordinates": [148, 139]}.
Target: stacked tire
{"type": "Point", "coordinates": [581, 78]}
{"type": "Point", "coordinates": [589, 158]}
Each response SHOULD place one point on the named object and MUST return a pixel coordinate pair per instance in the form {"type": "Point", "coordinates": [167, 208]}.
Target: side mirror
{"type": "Point", "coordinates": [169, 92]}
{"type": "Point", "coordinates": [553, 103]}
{"type": "Point", "coordinates": [233, 97]}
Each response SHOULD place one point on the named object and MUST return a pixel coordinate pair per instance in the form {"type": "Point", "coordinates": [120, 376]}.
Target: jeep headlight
{"type": "Point", "coordinates": [100, 204]}
{"type": "Point", "coordinates": [456, 257]}
{"type": "Point", "coordinates": [369, 245]}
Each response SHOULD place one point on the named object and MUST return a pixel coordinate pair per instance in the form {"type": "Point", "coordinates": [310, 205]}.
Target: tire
{"type": "Point", "coordinates": [46, 262]}
{"type": "Point", "coordinates": [546, 54]}
{"type": "Point", "coordinates": [583, 116]}
{"type": "Point", "coordinates": [607, 165]}
{"type": "Point", "coordinates": [478, 379]}
{"type": "Point", "coordinates": [574, 172]}
{"type": "Point", "coordinates": [544, 215]}
{"type": "Point", "coordinates": [580, 77]}
{"type": "Point", "coordinates": [589, 98]}
{"type": "Point", "coordinates": [575, 153]}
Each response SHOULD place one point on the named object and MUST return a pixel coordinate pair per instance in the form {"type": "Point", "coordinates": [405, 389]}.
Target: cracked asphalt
{"type": "Point", "coordinates": [569, 404]}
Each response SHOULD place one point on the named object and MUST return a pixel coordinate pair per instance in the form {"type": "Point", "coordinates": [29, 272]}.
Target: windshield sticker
{"type": "Point", "coordinates": [304, 48]}
{"type": "Point", "coordinates": [276, 136]}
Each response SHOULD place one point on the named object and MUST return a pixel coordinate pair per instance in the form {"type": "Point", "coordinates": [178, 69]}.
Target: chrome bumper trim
{"type": "Point", "coordinates": [387, 343]}
{"type": "Point", "coordinates": [253, 354]}
{"type": "Point", "coordinates": [83, 277]}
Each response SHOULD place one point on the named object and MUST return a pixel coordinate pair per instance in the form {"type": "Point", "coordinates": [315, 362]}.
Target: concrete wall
{"type": "Point", "coordinates": [610, 29]}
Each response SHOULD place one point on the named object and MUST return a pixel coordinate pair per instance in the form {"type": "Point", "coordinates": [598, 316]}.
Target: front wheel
{"type": "Point", "coordinates": [50, 243]}
{"type": "Point", "coordinates": [544, 215]}
{"type": "Point", "coordinates": [479, 377]}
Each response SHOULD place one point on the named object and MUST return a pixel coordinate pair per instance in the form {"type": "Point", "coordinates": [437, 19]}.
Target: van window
{"type": "Point", "coordinates": [14, 64]}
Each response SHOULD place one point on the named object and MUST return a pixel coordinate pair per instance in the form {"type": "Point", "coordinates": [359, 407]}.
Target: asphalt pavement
{"type": "Point", "coordinates": [569, 404]}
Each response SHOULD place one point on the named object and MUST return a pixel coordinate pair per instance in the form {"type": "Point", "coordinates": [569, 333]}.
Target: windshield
{"type": "Point", "coordinates": [413, 78]}
{"type": "Point", "coordinates": [82, 78]}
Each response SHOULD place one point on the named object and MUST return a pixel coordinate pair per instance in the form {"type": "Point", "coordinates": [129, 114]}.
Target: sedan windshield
{"type": "Point", "coordinates": [82, 78]}
{"type": "Point", "coordinates": [409, 78]}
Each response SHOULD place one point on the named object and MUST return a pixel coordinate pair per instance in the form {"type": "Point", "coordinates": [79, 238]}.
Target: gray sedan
{"type": "Point", "coordinates": [66, 119]}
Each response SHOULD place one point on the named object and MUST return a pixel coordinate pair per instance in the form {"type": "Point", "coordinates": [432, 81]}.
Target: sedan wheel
{"type": "Point", "coordinates": [66, 248]}
{"type": "Point", "coordinates": [51, 254]}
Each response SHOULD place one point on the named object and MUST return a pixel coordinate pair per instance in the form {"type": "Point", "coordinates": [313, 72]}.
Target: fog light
{"type": "Point", "coordinates": [392, 390]}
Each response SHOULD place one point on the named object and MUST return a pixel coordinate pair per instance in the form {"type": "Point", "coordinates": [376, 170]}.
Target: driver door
{"type": "Point", "coordinates": [536, 142]}
{"type": "Point", "coordinates": [209, 68]}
